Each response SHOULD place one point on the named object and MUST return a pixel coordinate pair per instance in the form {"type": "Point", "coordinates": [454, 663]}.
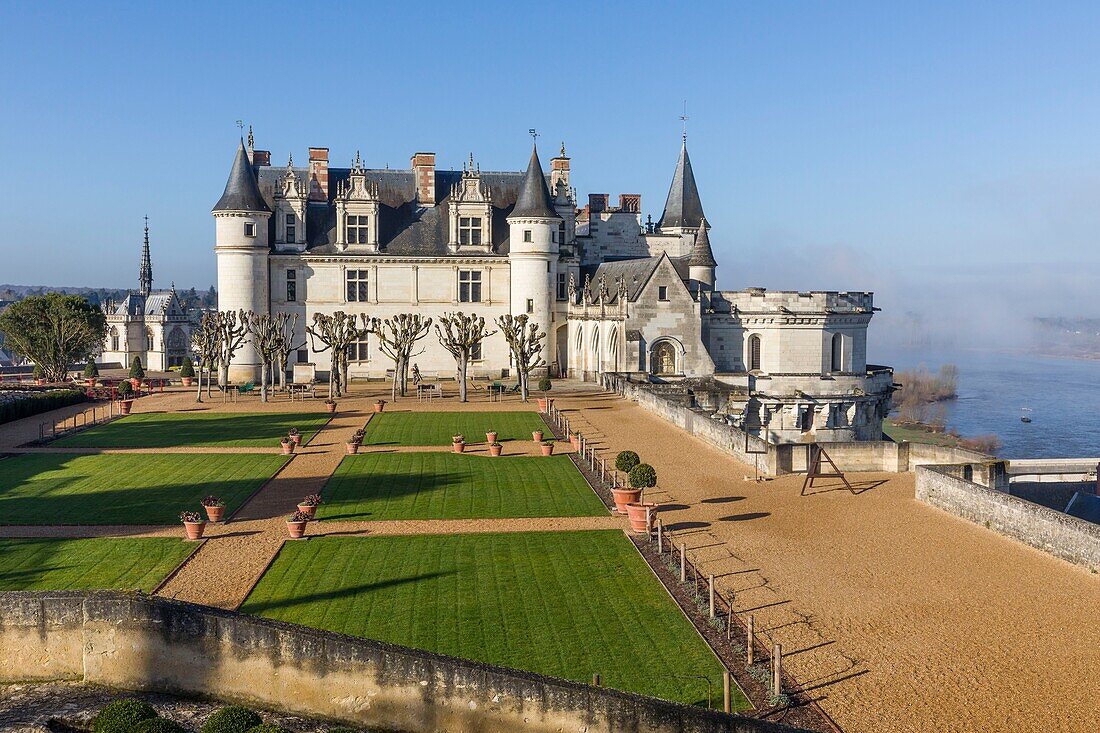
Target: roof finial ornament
{"type": "Point", "coordinates": [534, 135]}
{"type": "Point", "coordinates": [562, 148]}
{"type": "Point", "coordinates": [290, 161]}
{"type": "Point", "coordinates": [684, 120]}
{"type": "Point", "coordinates": [240, 126]}
{"type": "Point", "coordinates": [357, 165]}
{"type": "Point", "coordinates": [251, 140]}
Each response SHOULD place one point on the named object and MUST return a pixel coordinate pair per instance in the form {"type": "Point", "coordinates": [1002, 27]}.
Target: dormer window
{"type": "Point", "coordinates": [249, 229]}
{"type": "Point", "coordinates": [469, 230]}
{"type": "Point", "coordinates": [356, 231]}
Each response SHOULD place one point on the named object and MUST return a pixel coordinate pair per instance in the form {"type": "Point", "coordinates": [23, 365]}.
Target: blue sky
{"type": "Point", "coordinates": [837, 145]}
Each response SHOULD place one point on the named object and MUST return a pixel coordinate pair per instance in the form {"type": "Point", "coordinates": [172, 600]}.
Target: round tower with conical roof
{"type": "Point", "coordinates": [241, 245]}
{"type": "Point", "coordinates": [701, 264]}
{"type": "Point", "coordinates": [533, 251]}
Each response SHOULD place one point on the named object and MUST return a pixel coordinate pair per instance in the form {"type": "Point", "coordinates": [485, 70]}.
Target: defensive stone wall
{"type": "Point", "coordinates": [1059, 534]}
{"type": "Point", "coordinates": [137, 642]}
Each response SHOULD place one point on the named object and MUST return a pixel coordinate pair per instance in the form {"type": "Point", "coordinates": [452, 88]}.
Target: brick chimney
{"type": "Point", "coordinates": [597, 202]}
{"type": "Point", "coordinates": [630, 203]}
{"type": "Point", "coordinates": [423, 165]}
{"type": "Point", "coordinates": [318, 174]}
{"type": "Point", "coordinates": [261, 157]}
{"type": "Point", "coordinates": [559, 170]}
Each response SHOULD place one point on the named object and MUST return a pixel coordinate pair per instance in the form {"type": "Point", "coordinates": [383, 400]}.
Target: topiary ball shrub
{"type": "Point", "coordinates": [232, 719]}
{"type": "Point", "coordinates": [642, 476]}
{"type": "Point", "coordinates": [545, 385]}
{"type": "Point", "coordinates": [627, 460]}
{"type": "Point", "coordinates": [267, 728]}
{"type": "Point", "coordinates": [122, 716]}
{"type": "Point", "coordinates": [125, 389]}
{"type": "Point", "coordinates": [158, 725]}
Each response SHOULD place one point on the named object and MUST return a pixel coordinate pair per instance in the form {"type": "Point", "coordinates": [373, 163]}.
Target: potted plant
{"type": "Point", "coordinates": [296, 525]}
{"type": "Point", "coordinates": [309, 505]}
{"type": "Point", "coordinates": [642, 476]}
{"type": "Point", "coordinates": [379, 405]}
{"type": "Point", "coordinates": [187, 372]}
{"type": "Point", "coordinates": [575, 439]}
{"type": "Point", "coordinates": [215, 508]}
{"type": "Point", "coordinates": [536, 436]}
{"type": "Point", "coordinates": [39, 375]}
{"type": "Point", "coordinates": [495, 448]}
{"type": "Point", "coordinates": [137, 373]}
{"type": "Point", "coordinates": [490, 436]}
{"type": "Point", "coordinates": [330, 405]}
{"type": "Point", "coordinates": [545, 403]}
{"type": "Point", "coordinates": [458, 442]}
{"type": "Point", "coordinates": [91, 371]}
{"type": "Point", "coordinates": [351, 447]}
{"type": "Point", "coordinates": [642, 515]}
{"type": "Point", "coordinates": [547, 447]}
{"type": "Point", "coordinates": [295, 437]}
{"type": "Point", "coordinates": [193, 525]}
{"type": "Point", "coordinates": [125, 397]}
{"type": "Point", "coordinates": [287, 445]}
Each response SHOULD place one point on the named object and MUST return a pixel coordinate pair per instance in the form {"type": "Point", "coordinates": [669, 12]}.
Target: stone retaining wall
{"type": "Point", "coordinates": [1059, 534]}
{"type": "Point", "coordinates": [138, 642]}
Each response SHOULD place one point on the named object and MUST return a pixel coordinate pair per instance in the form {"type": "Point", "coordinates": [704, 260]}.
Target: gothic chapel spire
{"type": "Point", "coordinates": [145, 275]}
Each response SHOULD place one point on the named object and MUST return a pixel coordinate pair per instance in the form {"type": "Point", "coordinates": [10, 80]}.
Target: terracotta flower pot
{"type": "Point", "coordinates": [288, 447]}
{"type": "Point", "coordinates": [575, 441]}
{"type": "Point", "coordinates": [379, 406]}
{"type": "Point", "coordinates": [495, 450]}
{"type": "Point", "coordinates": [547, 449]}
{"type": "Point", "coordinates": [90, 381]}
{"type": "Point", "coordinates": [296, 439]}
{"type": "Point", "coordinates": [194, 530]}
{"type": "Point", "coordinates": [491, 436]}
{"type": "Point", "coordinates": [623, 497]}
{"type": "Point", "coordinates": [637, 514]}
{"type": "Point", "coordinates": [135, 382]}
{"type": "Point", "coordinates": [187, 381]}
{"type": "Point", "coordinates": [296, 530]}
{"type": "Point", "coordinates": [545, 403]}
{"type": "Point", "coordinates": [124, 406]}
{"type": "Point", "coordinates": [536, 436]}
{"type": "Point", "coordinates": [215, 513]}
{"type": "Point", "coordinates": [310, 509]}
{"type": "Point", "coordinates": [459, 447]}
{"type": "Point", "coordinates": [351, 448]}
{"type": "Point", "coordinates": [331, 407]}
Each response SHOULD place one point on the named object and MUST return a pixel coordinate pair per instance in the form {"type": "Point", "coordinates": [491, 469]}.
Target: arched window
{"type": "Point", "coordinates": [613, 343]}
{"type": "Point", "coordinates": [596, 342]}
{"type": "Point", "coordinates": [114, 339]}
{"type": "Point", "coordinates": [662, 361]}
{"type": "Point", "coordinates": [580, 340]}
{"type": "Point", "coordinates": [838, 353]}
{"type": "Point", "coordinates": [754, 353]}
{"type": "Point", "coordinates": [148, 339]}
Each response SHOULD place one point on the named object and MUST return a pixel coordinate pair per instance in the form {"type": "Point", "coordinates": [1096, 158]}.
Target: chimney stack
{"type": "Point", "coordinates": [423, 165]}
{"type": "Point", "coordinates": [559, 170]}
{"type": "Point", "coordinates": [261, 157]}
{"type": "Point", "coordinates": [630, 203]}
{"type": "Point", "coordinates": [597, 202]}
{"type": "Point", "coordinates": [318, 174]}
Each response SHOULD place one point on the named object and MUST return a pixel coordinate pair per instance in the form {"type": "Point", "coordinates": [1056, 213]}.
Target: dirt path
{"type": "Point", "coordinates": [896, 615]}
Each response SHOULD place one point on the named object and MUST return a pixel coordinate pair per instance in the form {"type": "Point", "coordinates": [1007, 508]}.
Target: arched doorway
{"type": "Point", "coordinates": [176, 346]}
{"type": "Point", "coordinates": [662, 359]}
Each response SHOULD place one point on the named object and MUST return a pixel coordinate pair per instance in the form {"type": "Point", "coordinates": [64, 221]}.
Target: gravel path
{"type": "Point", "coordinates": [896, 615]}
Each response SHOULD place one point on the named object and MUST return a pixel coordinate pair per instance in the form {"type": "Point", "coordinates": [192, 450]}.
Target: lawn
{"type": "Point", "coordinates": [437, 428]}
{"type": "Point", "coordinates": [197, 429]}
{"type": "Point", "coordinates": [916, 434]}
{"type": "Point", "coordinates": [131, 488]}
{"type": "Point", "coordinates": [451, 486]}
{"type": "Point", "coordinates": [567, 604]}
{"type": "Point", "coordinates": [137, 563]}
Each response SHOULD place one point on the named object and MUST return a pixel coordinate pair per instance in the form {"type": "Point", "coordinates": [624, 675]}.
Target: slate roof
{"type": "Point", "coordinates": [702, 255]}
{"type": "Point", "coordinates": [682, 207]}
{"type": "Point", "coordinates": [241, 192]}
{"type": "Point", "coordinates": [534, 197]}
{"type": "Point", "coordinates": [157, 303]}
{"type": "Point", "coordinates": [636, 272]}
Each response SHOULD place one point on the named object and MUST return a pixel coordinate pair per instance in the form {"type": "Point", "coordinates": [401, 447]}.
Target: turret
{"type": "Point", "coordinates": [241, 245]}
{"type": "Point", "coordinates": [533, 251]}
{"type": "Point", "coordinates": [701, 265]}
{"type": "Point", "coordinates": [145, 274]}
{"type": "Point", "coordinates": [683, 209]}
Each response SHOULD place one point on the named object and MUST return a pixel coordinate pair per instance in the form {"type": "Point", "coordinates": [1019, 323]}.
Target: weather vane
{"type": "Point", "coordinates": [684, 120]}
{"type": "Point", "coordinates": [534, 135]}
{"type": "Point", "coordinates": [240, 126]}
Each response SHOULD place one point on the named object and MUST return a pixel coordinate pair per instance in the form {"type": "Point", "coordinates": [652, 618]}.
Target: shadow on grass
{"type": "Point", "coordinates": [260, 607]}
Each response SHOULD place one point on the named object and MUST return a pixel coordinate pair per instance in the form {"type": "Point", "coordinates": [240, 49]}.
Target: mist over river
{"type": "Point", "coordinates": [994, 388]}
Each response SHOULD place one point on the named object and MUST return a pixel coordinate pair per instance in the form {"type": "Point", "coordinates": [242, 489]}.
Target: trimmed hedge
{"type": "Point", "coordinates": [232, 719]}
{"type": "Point", "coordinates": [627, 460]}
{"type": "Point", "coordinates": [159, 725]}
{"type": "Point", "coordinates": [122, 716]}
{"type": "Point", "coordinates": [268, 728]}
{"type": "Point", "coordinates": [33, 403]}
{"type": "Point", "coordinates": [642, 476]}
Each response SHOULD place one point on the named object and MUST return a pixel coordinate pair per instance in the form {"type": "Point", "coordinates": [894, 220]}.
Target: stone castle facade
{"type": "Point", "coordinates": [613, 293]}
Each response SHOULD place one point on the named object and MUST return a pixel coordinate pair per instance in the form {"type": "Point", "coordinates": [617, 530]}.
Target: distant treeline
{"type": "Point", "coordinates": [920, 400]}
{"type": "Point", "coordinates": [191, 298]}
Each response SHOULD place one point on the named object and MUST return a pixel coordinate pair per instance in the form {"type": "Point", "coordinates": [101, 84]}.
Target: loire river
{"type": "Point", "coordinates": [1063, 396]}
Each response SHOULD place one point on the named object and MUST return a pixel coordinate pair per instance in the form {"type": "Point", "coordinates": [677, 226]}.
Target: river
{"type": "Point", "coordinates": [994, 388]}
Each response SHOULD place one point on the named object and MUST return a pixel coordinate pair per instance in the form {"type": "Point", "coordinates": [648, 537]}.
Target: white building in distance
{"type": "Point", "coordinates": [614, 294]}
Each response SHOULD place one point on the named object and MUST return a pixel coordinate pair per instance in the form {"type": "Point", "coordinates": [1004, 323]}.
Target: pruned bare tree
{"type": "Point", "coordinates": [335, 333]}
{"type": "Point", "coordinates": [397, 337]}
{"type": "Point", "coordinates": [204, 342]}
{"type": "Point", "coordinates": [525, 341]}
{"type": "Point", "coordinates": [461, 334]}
{"type": "Point", "coordinates": [288, 328]}
{"type": "Point", "coordinates": [267, 334]}
{"type": "Point", "coordinates": [231, 334]}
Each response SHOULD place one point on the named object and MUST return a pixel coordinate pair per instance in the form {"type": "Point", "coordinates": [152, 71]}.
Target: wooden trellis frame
{"type": "Point", "coordinates": [816, 455]}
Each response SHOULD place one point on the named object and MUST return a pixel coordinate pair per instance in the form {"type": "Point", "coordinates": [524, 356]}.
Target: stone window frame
{"type": "Point", "coordinates": [250, 229]}
{"type": "Point", "coordinates": [359, 351]}
{"type": "Point", "coordinates": [359, 225]}
{"type": "Point", "coordinates": [290, 228]}
{"type": "Point", "coordinates": [469, 231]}
{"type": "Point", "coordinates": [470, 286]}
{"type": "Point", "coordinates": [360, 278]}
{"type": "Point", "coordinates": [662, 293]}
{"type": "Point", "coordinates": [291, 285]}
{"type": "Point", "coordinates": [754, 360]}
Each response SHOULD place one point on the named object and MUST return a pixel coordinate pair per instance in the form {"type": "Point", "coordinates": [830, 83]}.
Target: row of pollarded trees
{"type": "Point", "coordinates": [222, 333]}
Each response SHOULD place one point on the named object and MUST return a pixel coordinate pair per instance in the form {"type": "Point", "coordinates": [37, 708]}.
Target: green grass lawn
{"type": "Point", "coordinates": [117, 488]}
{"type": "Point", "coordinates": [452, 486]}
{"type": "Point", "coordinates": [916, 434]}
{"type": "Point", "coordinates": [198, 429]}
{"type": "Point", "coordinates": [436, 428]}
{"type": "Point", "coordinates": [567, 604]}
{"type": "Point", "coordinates": [137, 563]}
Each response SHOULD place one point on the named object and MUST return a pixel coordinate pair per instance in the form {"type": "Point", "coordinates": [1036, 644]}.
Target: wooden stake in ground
{"type": "Point", "coordinates": [710, 585]}
{"type": "Point", "coordinates": [751, 641]}
{"type": "Point", "coordinates": [683, 564]}
{"type": "Point", "coordinates": [727, 703]}
{"type": "Point", "coordinates": [813, 469]}
{"type": "Point", "coordinates": [777, 666]}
